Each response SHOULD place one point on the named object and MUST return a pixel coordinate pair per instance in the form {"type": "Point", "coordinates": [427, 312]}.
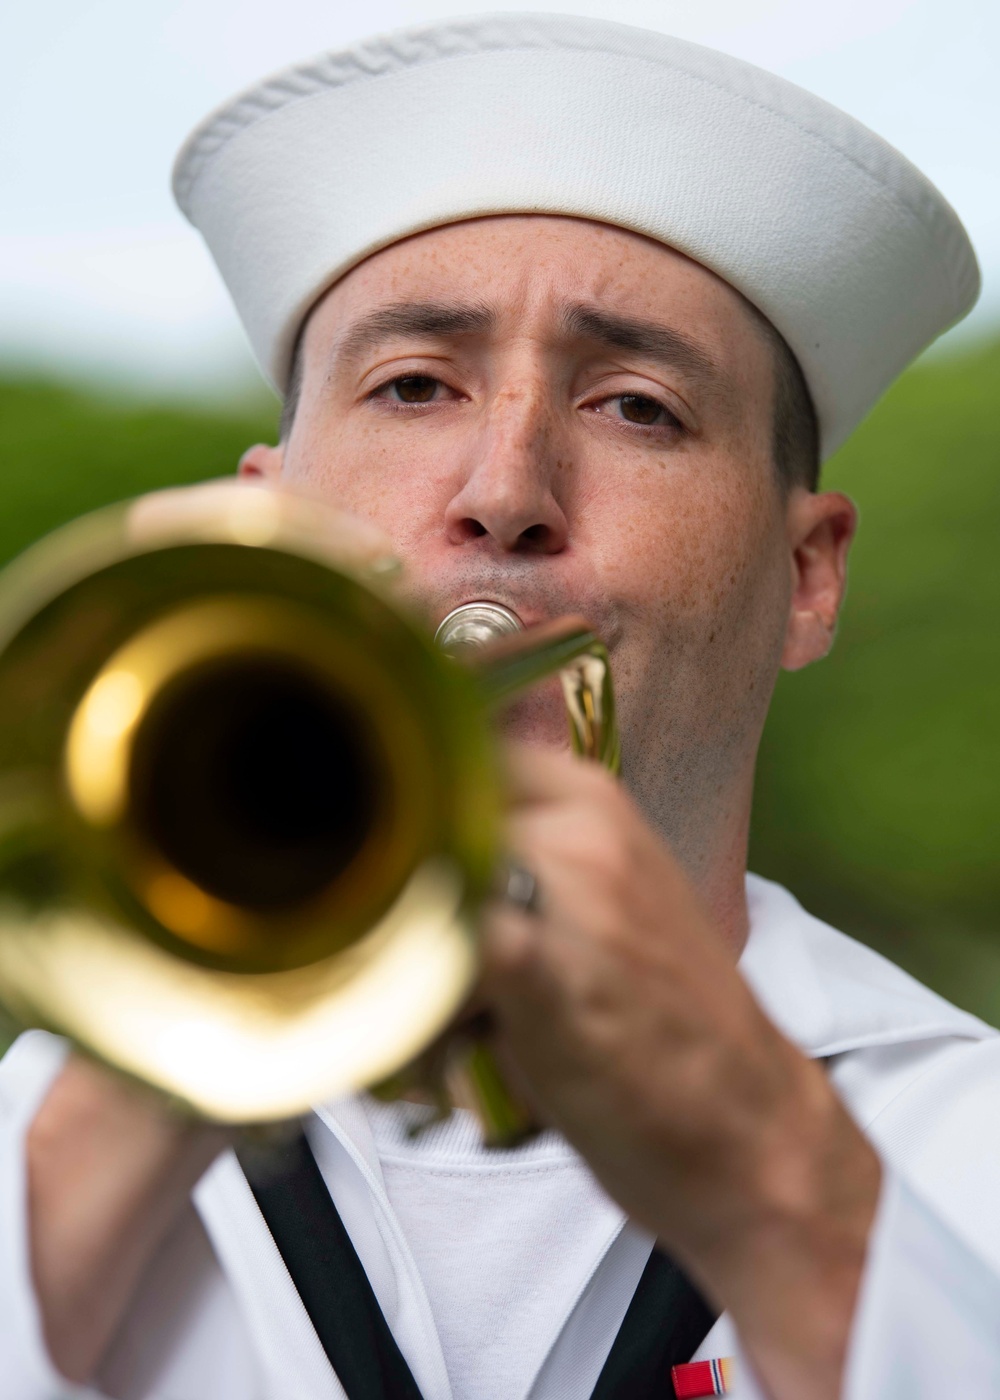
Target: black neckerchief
{"type": "Point", "coordinates": [665, 1323]}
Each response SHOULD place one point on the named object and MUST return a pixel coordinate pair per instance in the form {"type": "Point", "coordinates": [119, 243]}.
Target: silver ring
{"type": "Point", "coordinates": [521, 888]}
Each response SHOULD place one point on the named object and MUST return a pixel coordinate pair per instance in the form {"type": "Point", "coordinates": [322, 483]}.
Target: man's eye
{"type": "Point", "coordinates": [637, 408]}
{"type": "Point", "coordinates": [413, 388]}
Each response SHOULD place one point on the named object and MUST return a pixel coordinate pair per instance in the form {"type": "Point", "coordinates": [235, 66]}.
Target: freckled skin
{"type": "Point", "coordinates": [677, 543]}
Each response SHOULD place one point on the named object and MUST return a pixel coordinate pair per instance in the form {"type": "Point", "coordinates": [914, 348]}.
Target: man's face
{"type": "Point", "coordinates": [565, 417]}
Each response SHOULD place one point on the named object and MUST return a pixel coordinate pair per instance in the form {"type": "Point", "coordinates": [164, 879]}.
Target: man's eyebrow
{"type": "Point", "coordinates": [414, 318]}
{"type": "Point", "coordinates": [646, 338]}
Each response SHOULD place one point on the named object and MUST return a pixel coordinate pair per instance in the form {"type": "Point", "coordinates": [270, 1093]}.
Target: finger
{"type": "Point", "coordinates": [536, 774]}
{"type": "Point", "coordinates": [507, 943]}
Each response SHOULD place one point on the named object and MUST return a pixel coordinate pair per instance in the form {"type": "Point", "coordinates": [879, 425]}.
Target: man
{"type": "Point", "coordinates": [568, 312]}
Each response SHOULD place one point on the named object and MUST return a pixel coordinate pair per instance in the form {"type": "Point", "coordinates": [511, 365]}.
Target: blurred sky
{"type": "Point", "coordinates": [100, 275]}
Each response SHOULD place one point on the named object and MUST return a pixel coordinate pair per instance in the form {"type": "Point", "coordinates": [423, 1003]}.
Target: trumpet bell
{"type": "Point", "coordinates": [247, 808]}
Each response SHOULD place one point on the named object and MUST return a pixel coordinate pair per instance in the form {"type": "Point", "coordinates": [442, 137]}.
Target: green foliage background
{"type": "Point", "coordinates": [880, 769]}
{"type": "Point", "coordinates": [879, 779]}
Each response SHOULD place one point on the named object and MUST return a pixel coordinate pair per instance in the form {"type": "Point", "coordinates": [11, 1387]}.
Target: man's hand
{"type": "Point", "coordinates": [110, 1166]}
{"type": "Point", "coordinates": [623, 1007]}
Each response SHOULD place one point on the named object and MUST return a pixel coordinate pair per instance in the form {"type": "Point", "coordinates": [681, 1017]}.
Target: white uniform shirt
{"type": "Point", "coordinates": [539, 1266]}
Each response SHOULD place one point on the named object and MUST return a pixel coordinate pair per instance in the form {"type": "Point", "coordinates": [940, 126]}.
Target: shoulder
{"type": "Point", "coordinates": [938, 1126]}
{"type": "Point", "coordinates": [920, 1075]}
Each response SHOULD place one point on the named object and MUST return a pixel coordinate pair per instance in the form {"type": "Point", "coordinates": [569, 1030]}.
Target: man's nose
{"type": "Point", "coordinates": [510, 494]}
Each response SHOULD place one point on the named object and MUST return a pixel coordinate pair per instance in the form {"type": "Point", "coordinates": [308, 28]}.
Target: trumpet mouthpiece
{"type": "Point", "coordinates": [474, 625]}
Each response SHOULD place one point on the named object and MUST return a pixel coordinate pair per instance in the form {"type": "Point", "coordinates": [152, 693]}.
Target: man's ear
{"type": "Point", "coordinates": [821, 527]}
{"type": "Point", "coordinates": [262, 462]}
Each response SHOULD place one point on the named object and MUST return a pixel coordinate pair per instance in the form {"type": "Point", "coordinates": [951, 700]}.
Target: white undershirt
{"type": "Point", "coordinates": [504, 1241]}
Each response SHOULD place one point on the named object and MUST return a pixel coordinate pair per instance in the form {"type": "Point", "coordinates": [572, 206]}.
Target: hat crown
{"type": "Point", "coordinates": [839, 240]}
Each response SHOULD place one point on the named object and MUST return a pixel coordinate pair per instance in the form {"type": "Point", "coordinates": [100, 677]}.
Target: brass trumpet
{"type": "Point", "coordinates": [248, 809]}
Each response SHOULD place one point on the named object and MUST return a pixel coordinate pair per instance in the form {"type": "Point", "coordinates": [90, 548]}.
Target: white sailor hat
{"type": "Point", "coordinates": [843, 245]}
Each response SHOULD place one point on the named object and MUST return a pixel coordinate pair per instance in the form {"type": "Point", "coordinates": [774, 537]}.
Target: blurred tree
{"type": "Point", "coordinates": [66, 450]}
{"type": "Point", "coordinates": [880, 769]}
{"type": "Point", "coordinates": [879, 777]}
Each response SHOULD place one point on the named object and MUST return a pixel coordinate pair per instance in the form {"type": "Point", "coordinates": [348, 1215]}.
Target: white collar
{"type": "Point", "coordinates": [828, 993]}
